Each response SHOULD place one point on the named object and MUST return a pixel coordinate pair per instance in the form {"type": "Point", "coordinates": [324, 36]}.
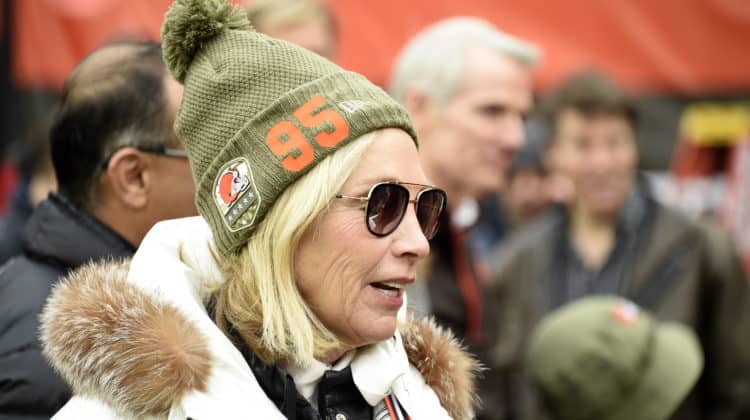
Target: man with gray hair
{"type": "Point", "coordinates": [468, 88]}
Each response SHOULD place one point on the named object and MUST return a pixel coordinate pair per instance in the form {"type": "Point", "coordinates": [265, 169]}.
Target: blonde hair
{"type": "Point", "coordinates": [259, 297]}
{"type": "Point", "coordinates": [264, 14]}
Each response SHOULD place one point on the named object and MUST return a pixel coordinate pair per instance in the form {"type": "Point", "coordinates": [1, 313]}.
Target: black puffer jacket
{"type": "Point", "coordinates": [57, 238]}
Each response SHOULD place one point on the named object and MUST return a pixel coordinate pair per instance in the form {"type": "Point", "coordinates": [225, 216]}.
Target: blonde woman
{"type": "Point", "coordinates": [286, 298]}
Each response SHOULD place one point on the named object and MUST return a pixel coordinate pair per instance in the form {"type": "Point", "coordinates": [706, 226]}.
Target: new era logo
{"type": "Point", "coordinates": [353, 105]}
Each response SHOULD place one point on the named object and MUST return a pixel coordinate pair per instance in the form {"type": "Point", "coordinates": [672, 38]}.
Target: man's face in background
{"type": "Point", "coordinates": [470, 140]}
{"type": "Point", "coordinates": [598, 154]}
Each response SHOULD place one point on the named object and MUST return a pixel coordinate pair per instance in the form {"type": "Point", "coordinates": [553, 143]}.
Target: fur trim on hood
{"type": "Point", "coordinates": [108, 338]}
{"type": "Point", "coordinates": [111, 340]}
{"type": "Point", "coordinates": [445, 366]}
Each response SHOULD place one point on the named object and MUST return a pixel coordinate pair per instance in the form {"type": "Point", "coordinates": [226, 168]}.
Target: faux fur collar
{"type": "Point", "coordinates": [111, 340]}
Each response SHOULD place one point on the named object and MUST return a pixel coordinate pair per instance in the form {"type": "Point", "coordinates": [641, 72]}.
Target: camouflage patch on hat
{"type": "Point", "coordinates": [236, 194]}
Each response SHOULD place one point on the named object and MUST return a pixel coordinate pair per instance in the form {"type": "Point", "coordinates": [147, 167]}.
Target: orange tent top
{"type": "Point", "coordinates": [675, 46]}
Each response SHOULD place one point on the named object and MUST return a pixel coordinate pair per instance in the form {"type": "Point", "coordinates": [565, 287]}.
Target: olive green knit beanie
{"type": "Point", "coordinates": [258, 113]}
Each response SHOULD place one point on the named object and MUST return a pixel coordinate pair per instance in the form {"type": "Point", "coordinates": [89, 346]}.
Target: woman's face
{"type": "Point", "coordinates": [352, 280]}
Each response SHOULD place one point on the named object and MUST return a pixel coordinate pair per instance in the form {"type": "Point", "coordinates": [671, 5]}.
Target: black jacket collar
{"type": "Point", "coordinates": [64, 235]}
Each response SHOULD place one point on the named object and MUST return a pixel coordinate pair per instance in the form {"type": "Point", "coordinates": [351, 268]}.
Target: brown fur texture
{"type": "Point", "coordinates": [445, 366]}
{"type": "Point", "coordinates": [111, 340]}
{"type": "Point", "coordinates": [108, 338]}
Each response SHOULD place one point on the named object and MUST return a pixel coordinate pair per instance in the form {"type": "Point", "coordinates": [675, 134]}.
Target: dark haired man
{"type": "Point", "coordinates": [614, 238]}
{"type": "Point", "coordinates": [120, 169]}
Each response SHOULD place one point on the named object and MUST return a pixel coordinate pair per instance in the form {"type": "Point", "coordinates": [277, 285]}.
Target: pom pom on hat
{"type": "Point", "coordinates": [245, 93]}
{"type": "Point", "coordinates": [191, 23]}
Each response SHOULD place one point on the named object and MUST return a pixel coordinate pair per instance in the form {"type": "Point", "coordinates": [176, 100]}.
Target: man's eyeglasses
{"type": "Point", "coordinates": [161, 150]}
{"type": "Point", "coordinates": [167, 151]}
{"type": "Point", "coordinates": [387, 203]}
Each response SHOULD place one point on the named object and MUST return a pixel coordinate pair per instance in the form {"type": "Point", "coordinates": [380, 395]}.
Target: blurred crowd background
{"type": "Point", "coordinates": [684, 62]}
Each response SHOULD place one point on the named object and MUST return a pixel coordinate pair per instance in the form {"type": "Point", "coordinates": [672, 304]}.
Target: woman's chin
{"type": "Point", "coordinates": [382, 328]}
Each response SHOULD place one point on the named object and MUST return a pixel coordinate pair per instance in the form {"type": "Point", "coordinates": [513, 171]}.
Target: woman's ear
{"type": "Point", "coordinates": [128, 177]}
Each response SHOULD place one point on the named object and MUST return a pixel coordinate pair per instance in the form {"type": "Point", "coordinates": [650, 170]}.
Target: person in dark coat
{"type": "Point", "coordinates": [120, 169]}
{"type": "Point", "coordinates": [615, 238]}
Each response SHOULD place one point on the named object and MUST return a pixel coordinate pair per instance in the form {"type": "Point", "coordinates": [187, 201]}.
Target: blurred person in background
{"type": "Point", "coordinates": [530, 191]}
{"type": "Point", "coordinates": [37, 179]}
{"type": "Point", "coordinates": [614, 238]}
{"type": "Point", "coordinates": [307, 23]}
{"type": "Point", "coordinates": [467, 86]}
{"type": "Point", "coordinates": [120, 169]}
{"type": "Point", "coordinates": [603, 358]}
{"type": "Point", "coordinates": [527, 194]}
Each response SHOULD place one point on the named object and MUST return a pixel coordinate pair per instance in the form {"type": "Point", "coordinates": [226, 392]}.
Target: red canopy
{"type": "Point", "coordinates": [673, 46]}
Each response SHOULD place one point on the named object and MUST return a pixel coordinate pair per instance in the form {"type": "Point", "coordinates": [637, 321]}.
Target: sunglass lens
{"type": "Point", "coordinates": [386, 208]}
{"type": "Point", "coordinates": [429, 208]}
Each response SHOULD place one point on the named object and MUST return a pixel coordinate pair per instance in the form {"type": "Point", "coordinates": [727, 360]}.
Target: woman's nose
{"type": "Point", "coordinates": [410, 240]}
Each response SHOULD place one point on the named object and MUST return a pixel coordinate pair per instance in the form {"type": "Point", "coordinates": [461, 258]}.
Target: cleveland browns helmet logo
{"type": "Point", "coordinates": [236, 195]}
{"type": "Point", "coordinates": [231, 184]}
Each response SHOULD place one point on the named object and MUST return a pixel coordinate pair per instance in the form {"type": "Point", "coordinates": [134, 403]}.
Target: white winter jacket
{"type": "Point", "coordinates": [134, 340]}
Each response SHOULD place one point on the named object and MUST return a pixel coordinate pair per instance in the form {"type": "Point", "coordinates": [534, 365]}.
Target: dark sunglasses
{"type": "Point", "coordinates": [387, 203]}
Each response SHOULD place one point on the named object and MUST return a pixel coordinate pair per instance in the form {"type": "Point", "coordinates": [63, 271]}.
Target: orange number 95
{"type": "Point", "coordinates": [286, 140]}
